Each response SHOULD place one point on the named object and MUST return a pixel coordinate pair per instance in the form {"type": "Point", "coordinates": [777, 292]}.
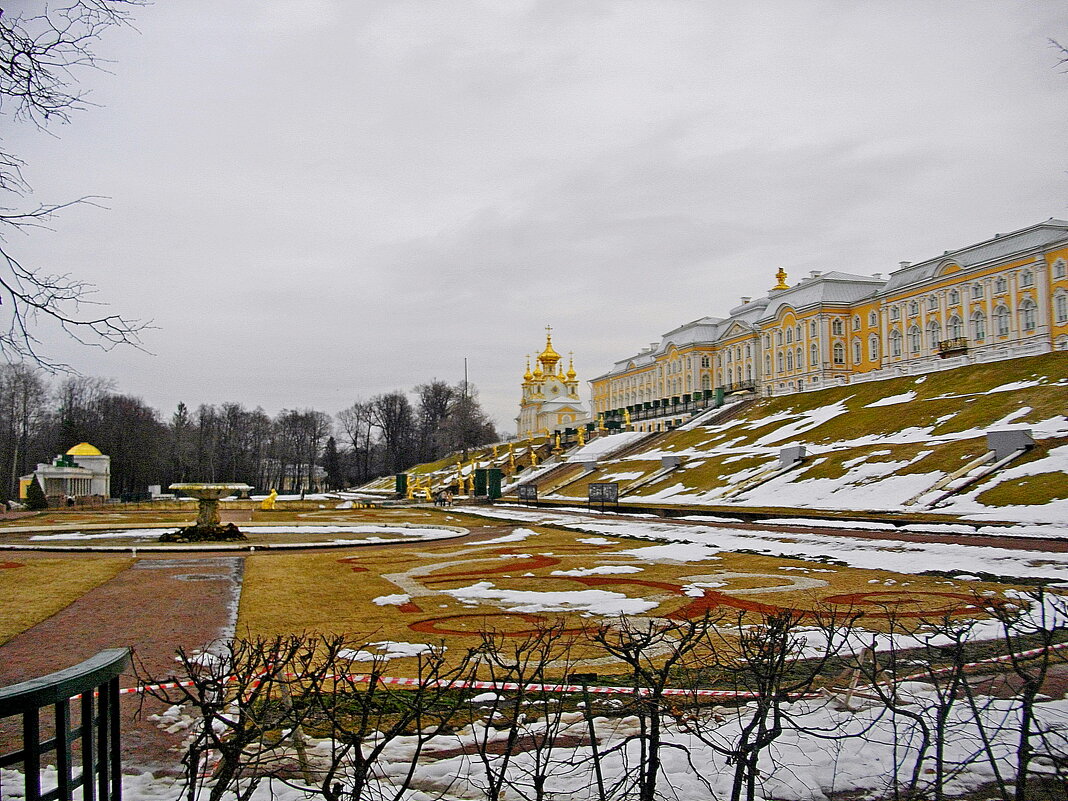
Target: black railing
{"type": "Point", "coordinates": [664, 407]}
{"type": "Point", "coordinates": [96, 681]}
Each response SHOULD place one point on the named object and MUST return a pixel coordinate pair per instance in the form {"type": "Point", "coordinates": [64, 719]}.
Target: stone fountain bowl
{"type": "Point", "coordinates": [209, 492]}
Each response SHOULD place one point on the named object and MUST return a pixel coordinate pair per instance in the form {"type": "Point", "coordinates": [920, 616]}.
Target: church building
{"type": "Point", "coordinates": [550, 395]}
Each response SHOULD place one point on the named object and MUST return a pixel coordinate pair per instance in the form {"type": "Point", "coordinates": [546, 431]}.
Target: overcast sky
{"type": "Point", "coordinates": [318, 201]}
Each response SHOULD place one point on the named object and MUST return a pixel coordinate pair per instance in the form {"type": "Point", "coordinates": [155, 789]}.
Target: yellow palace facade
{"type": "Point", "coordinates": [999, 299]}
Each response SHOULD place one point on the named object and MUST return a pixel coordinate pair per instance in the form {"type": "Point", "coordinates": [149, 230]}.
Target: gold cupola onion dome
{"type": "Point", "coordinates": [549, 357]}
{"type": "Point", "coordinates": [538, 374]}
{"type": "Point", "coordinates": [527, 377]}
{"type": "Point", "coordinates": [571, 374]}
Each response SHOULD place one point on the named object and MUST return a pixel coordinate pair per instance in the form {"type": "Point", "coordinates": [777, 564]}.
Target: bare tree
{"type": "Point", "coordinates": [40, 54]}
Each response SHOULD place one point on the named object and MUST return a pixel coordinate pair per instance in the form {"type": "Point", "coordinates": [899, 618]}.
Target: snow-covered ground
{"type": "Point", "coordinates": [884, 554]}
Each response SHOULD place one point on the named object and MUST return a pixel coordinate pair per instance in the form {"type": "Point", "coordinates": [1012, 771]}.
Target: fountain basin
{"type": "Point", "coordinates": [208, 526]}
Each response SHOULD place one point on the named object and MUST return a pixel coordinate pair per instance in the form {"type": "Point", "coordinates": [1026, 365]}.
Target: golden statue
{"type": "Point", "coordinates": [626, 417]}
{"type": "Point", "coordinates": [268, 503]}
{"type": "Point", "coordinates": [511, 460]}
{"type": "Point", "coordinates": [494, 451]}
{"type": "Point", "coordinates": [582, 436]}
{"type": "Point", "coordinates": [533, 458]}
{"type": "Point", "coordinates": [428, 493]}
{"type": "Point", "coordinates": [600, 422]}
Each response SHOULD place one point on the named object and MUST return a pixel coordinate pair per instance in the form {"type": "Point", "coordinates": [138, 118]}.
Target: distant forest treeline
{"type": "Point", "coordinates": [41, 417]}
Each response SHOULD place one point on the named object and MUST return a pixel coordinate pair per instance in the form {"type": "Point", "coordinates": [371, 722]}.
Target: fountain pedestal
{"type": "Point", "coordinates": [208, 527]}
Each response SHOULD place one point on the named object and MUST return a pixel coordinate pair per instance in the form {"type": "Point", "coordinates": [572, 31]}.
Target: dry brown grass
{"type": "Point", "coordinates": [40, 587]}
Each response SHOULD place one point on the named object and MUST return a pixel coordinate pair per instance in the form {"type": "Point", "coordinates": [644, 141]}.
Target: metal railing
{"type": "Point", "coordinates": [954, 345]}
{"type": "Point", "coordinates": [95, 685]}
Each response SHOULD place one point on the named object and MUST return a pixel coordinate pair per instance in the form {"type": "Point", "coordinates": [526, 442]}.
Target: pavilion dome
{"type": "Point", "coordinates": [84, 449]}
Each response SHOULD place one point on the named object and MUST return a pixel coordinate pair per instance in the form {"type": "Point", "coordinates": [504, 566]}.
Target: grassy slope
{"type": "Point", "coordinates": [938, 431]}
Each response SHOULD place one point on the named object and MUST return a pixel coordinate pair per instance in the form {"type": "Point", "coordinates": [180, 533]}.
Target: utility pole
{"type": "Point", "coordinates": [464, 411]}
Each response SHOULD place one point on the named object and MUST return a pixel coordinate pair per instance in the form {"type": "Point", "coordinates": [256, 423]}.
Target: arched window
{"type": "Point", "coordinates": [779, 362]}
{"type": "Point", "coordinates": [979, 326]}
{"type": "Point", "coordinates": [749, 372]}
{"type": "Point", "coordinates": [812, 328]}
{"type": "Point", "coordinates": [856, 322]}
{"type": "Point", "coordinates": [789, 335]}
{"type": "Point", "coordinates": [836, 327]}
{"type": "Point", "coordinates": [1027, 314]}
{"type": "Point", "coordinates": [797, 332]}
{"type": "Point", "coordinates": [813, 355]}
{"type": "Point", "coordinates": [932, 303]}
{"type": "Point", "coordinates": [789, 360]}
{"type": "Point", "coordinates": [778, 337]}
{"type": "Point", "coordinates": [730, 355]}
{"type": "Point", "coordinates": [895, 343]}
{"type": "Point", "coordinates": [839, 353]}
{"type": "Point", "coordinates": [955, 327]}
{"type": "Point", "coordinates": [914, 309]}
{"type": "Point", "coordinates": [954, 297]}
{"type": "Point", "coordinates": [873, 348]}
{"type": "Point", "coordinates": [873, 319]}
{"type": "Point", "coordinates": [800, 359]}
{"type": "Point", "coordinates": [748, 350]}
{"type": "Point", "coordinates": [1000, 286]}
{"type": "Point", "coordinates": [767, 340]}
{"type": "Point", "coordinates": [706, 381]}
{"type": "Point", "coordinates": [915, 339]}
{"type": "Point", "coordinates": [934, 334]}
{"type": "Point", "coordinates": [895, 313]}
{"type": "Point", "coordinates": [1060, 269]}
{"type": "Point", "coordinates": [858, 357]}
{"type": "Point", "coordinates": [1027, 278]}
{"type": "Point", "coordinates": [977, 291]}
{"type": "Point", "coordinates": [1060, 307]}
{"type": "Point", "coordinates": [767, 364]}
{"type": "Point", "coordinates": [1001, 321]}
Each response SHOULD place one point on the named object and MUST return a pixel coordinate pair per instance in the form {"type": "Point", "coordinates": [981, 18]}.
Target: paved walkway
{"type": "Point", "coordinates": [151, 607]}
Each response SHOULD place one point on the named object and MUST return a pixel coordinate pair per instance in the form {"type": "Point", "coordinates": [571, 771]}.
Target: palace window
{"type": "Point", "coordinates": [856, 322]}
{"type": "Point", "coordinates": [730, 356]}
{"type": "Point", "coordinates": [914, 309]}
{"type": "Point", "coordinates": [858, 357]}
{"type": "Point", "coordinates": [895, 313]}
{"type": "Point", "coordinates": [895, 343]}
{"type": "Point", "coordinates": [932, 303]}
{"type": "Point", "coordinates": [789, 360]}
{"type": "Point", "coordinates": [934, 334]}
{"type": "Point", "coordinates": [1060, 307]}
{"type": "Point", "coordinates": [705, 361]}
{"type": "Point", "coordinates": [797, 333]}
{"type": "Point", "coordinates": [915, 339]}
{"type": "Point", "coordinates": [812, 328]}
{"type": "Point", "coordinates": [979, 326]}
{"type": "Point", "coordinates": [839, 353]}
{"type": "Point", "coordinates": [1027, 278]}
{"type": "Point", "coordinates": [779, 362]}
{"type": "Point", "coordinates": [778, 337]}
{"type": "Point", "coordinates": [873, 319]}
{"type": "Point", "coordinates": [767, 365]}
{"type": "Point", "coordinates": [1001, 321]}
{"type": "Point", "coordinates": [836, 327]}
{"type": "Point", "coordinates": [748, 350]}
{"type": "Point", "coordinates": [767, 340]}
{"type": "Point", "coordinates": [1027, 314]}
{"type": "Point", "coordinates": [789, 335]}
{"type": "Point", "coordinates": [1000, 286]}
{"type": "Point", "coordinates": [954, 297]}
{"type": "Point", "coordinates": [706, 382]}
{"type": "Point", "coordinates": [873, 347]}
{"type": "Point", "coordinates": [800, 359]}
{"type": "Point", "coordinates": [977, 291]}
{"type": "Point", "coordinates": [813, 355]}
{"type": "Point", "coordinates": [1060, 269]}
{"type": "Point", "coordinates": [955, 327]}
{"type": "Point", "coordinates": [749, 372]}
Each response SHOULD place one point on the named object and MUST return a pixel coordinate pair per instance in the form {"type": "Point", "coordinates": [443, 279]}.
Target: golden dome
{"type": "Point", "coordinates": [538, 374]}
{"type": "Point", "coordinates": [571, 374]}
{"type": "Point", "coordinates": [527, 376]}
{"type": "Point", "coordinates": [84, 449]}
{"type": "Point", "coordinates": [549, 357]}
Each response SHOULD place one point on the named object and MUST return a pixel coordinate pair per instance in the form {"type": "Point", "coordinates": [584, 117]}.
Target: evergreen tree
{"type": "Point", "coordinates": [332, 465]}
{"type": "Point", "coordinates": [35, 497]}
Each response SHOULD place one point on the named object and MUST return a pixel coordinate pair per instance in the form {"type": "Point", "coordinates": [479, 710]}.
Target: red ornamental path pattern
{"type": "Point", "coordinates": [8, 565]}
{"type": "Point", "coordinates": [880, 604]}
